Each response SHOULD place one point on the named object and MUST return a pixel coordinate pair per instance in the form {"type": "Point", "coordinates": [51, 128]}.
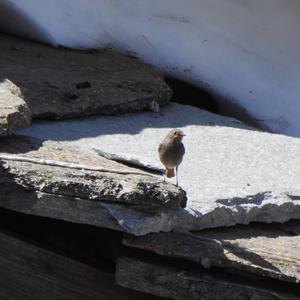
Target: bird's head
{"type": "Point", "coordinates": [176, 134]}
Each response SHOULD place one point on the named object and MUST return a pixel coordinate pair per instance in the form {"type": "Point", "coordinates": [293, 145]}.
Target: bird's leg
{"type": "Point", "coordinates": [177, 176]}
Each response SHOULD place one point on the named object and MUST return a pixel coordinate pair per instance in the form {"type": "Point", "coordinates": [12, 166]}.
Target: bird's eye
{"type": "Point", "coordinates": [175, 133]}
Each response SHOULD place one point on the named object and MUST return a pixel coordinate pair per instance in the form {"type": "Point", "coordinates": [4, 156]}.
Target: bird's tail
{"type": "Point", "coordinates": [170, 173]}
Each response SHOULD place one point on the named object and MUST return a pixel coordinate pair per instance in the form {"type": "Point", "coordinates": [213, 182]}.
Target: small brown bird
{"type": "Point", "coordinates": [171, 152]}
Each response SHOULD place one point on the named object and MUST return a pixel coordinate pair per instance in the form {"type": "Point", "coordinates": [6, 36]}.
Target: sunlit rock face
{"type": "Point", "coordinates": [245, 52]}
{"type": "Point", "coordinates": [231, 173]}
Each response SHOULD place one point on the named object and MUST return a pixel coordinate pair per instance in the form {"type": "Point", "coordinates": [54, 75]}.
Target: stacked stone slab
{"type": "Point", "coordinates": [232, 173]}
{"type": "Point", "coordinates": [61, 83]}
{"type": "Point", "coordinates": [61, 183]}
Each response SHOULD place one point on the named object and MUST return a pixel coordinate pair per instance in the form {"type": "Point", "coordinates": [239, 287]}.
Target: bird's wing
{"type": "Point", "coordinates": [183, 150]}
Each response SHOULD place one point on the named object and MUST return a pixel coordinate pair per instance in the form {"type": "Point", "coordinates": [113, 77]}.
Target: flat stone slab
{"type": "Point", "coordinates": [232, 173]}
{"type": "Point", "coordinates": [183, 282]}
{"type": "Point", "coordinates": [64, 83]}
{"type": "Point", "coordinates": [255, 250]}
{"type": "Point", "coordinates": [14, 112]}
{"type": "Point", "coordinates": [60, 182]}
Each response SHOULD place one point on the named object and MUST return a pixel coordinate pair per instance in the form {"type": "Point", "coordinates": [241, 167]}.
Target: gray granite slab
{"type": "Point", "coordinates": [232, 173]}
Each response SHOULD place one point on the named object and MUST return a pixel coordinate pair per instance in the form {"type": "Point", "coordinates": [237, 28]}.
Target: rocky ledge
{"type": "Point", "coordinates": [232, 173]}
{"type": "Point", "coordinates": [64, 183]}
{"type": "Point", "coordinates": [257, 261]}
{"type": "Point", "coordinates": [62, 83]}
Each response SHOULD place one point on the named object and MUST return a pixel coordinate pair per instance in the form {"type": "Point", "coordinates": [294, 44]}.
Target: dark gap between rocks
{"type": "Point", "coordinates": [93, 246]}
{"type": "Point", "coordinates": [188, 94]}
{"type": "Point", "coordinates": [100, 248]}
{"type": "Point", "coordinates": [33, 271]}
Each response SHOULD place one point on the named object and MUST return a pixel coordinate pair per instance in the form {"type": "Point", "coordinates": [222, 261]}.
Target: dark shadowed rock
{"type": "Point", "coordinates": [62, 83]}
{"type": "Point", "coordinates": [181, 283]}
{"type": "Point", "coordinates": [253, 250]}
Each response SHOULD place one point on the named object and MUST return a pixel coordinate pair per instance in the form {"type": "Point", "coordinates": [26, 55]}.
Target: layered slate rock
{"type": "Point", "coordinates": [232, 173]}
{"type": "Point", "coordinates": [179, 282]}
{"type": "Point", "coordinates": [62, 83]}
{"type": "Point", "coordinates": [65, 183]}
{"type": "Point", "coordinates": [14, 112]}
{"type": "Point", "coordinates": [271, 251]}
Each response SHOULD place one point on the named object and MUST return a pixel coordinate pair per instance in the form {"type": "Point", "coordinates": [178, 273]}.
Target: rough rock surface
{"type": "Point", "coordinates": [107, 186]}
{"type": "Point", "coordinates": [14, 112]}
{"type": "Point", "coordinates": [65, 208]}
{"type": "Point", "coordinates": [253, 250]}
{"type": "Point", "coordinates": [62, 83]}
{"type": "Point", "coordinates": [65, 183]}
{"type": "Point", "coordinates": [181, 283]}
{"type": "Point", "coordinates": [232, 173]}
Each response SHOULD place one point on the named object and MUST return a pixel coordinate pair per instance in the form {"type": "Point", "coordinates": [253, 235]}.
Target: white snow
{"type": "Point", "coordinates": [246, 52]}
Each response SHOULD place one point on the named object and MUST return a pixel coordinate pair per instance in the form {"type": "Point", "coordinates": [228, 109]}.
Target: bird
{"type": "Point", "coordinates": [171, 151]}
